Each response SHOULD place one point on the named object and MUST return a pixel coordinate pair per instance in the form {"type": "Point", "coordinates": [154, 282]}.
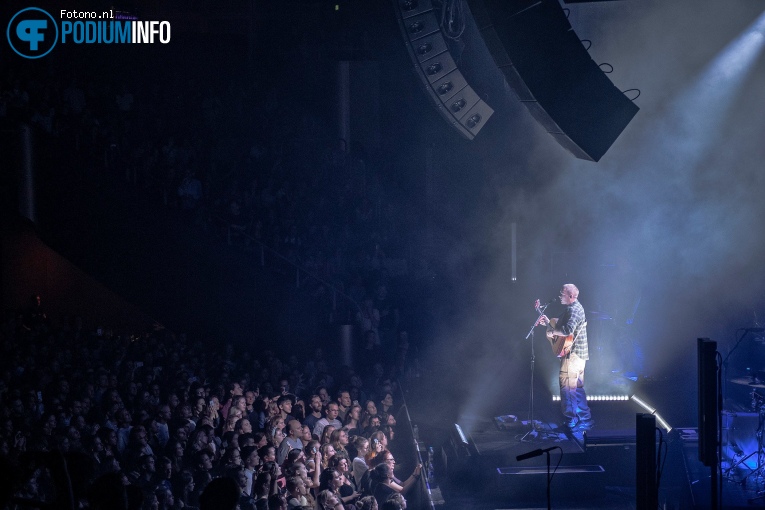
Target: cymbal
{"type": "Point", "coordinates": [746, 381]}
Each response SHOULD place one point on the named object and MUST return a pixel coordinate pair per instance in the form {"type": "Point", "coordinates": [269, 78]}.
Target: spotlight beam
{"type": "Point", "coordinates": [699, 112]}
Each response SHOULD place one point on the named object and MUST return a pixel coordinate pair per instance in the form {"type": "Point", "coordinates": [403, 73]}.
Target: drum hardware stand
{"type": "Point", "coordinates": [757, 405]}
{"type": "Point", "coordinates": [759, 452]}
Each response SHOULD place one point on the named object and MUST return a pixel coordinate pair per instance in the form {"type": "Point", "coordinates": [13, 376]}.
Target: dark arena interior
{"type": "Point", "coordinates": [303, 254]}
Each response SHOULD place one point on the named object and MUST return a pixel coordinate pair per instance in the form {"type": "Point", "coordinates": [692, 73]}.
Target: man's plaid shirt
{"type": "Point", "coordinates": [573, 321]}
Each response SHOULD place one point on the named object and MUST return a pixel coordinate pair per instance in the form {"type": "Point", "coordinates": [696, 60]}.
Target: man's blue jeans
{"type": "Point", "coordinates": [573, 399]}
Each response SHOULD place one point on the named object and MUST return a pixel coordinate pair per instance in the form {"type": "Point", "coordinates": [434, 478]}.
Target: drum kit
{"type": "Point", "coordinates": [753, 462]}
{"type": "Point", "coordinates": [753, 383]}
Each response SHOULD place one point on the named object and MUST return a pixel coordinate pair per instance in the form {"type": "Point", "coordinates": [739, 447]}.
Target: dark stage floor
{"type": "Point", "coordinates": [595, 470]}
{"type": "Point", "coordinates": [598, 471]}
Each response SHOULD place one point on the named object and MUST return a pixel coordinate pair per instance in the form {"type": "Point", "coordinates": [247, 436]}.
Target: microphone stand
{"type": "Point", "coordinates": [536, 453]}
{"type": "Point", "coordinates": [549, 481]}
{"type": "Point", "coordinates": [533, 432]}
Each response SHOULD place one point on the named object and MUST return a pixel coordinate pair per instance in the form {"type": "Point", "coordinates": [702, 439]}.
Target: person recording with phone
{"type": "Point", "coordinates": [213, 411]}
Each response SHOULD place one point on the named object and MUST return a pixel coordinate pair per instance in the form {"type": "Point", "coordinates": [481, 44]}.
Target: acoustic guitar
{"type": "Point", "coordinates": [561, 345]}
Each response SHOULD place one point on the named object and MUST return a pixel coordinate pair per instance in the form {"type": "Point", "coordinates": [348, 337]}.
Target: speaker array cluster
{"type": "Point", "coordinates": [542, 60]}
{"type": "Point", "coordinates": [448, 88]}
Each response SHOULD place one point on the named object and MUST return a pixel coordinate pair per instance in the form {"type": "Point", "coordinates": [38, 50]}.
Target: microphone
{"type": "Point", "coordinates": [553, 300]}
{"type": "Point", "coordinates": [534, 453]}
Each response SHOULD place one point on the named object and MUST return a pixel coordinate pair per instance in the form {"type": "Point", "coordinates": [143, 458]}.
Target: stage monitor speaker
{"type": "Point", "coordinates": [708, 406]}
{"type": "Point", "coordinates": [552, 73]}
{"type": "Point", "coordinates": [454, 99]}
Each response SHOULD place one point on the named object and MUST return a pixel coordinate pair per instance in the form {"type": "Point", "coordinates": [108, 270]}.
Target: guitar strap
{"type": "Point", "coordinates": [578, 330]}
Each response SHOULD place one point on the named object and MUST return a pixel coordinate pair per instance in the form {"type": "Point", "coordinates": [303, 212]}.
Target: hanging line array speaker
{"type": "Point", "coordinates": [455, 100]}
{"type": "Point", "coordinates": [552, 73]}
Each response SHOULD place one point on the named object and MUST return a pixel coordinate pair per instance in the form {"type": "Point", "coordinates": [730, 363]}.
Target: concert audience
{"type": "Point", "coordinates": [320, 207]}
{"type": "Point", "coordinates": [166, 416]}
{"type": "Point", "coordinates": [123, 433]}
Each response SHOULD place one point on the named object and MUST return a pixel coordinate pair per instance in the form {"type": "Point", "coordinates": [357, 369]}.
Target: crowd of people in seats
{"type": "Point", "coordinates": [244, 164]}
{"type": "Point", "coordinates": [159, 422]}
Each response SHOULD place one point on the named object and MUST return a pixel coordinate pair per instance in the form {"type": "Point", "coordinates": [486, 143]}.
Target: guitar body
{"type": "Point", "coordinates": [561, 345]}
